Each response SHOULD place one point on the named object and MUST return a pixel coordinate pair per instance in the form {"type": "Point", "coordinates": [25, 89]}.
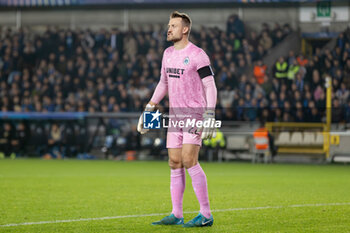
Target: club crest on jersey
{"type": "Point", "coordinates": [186, 61]}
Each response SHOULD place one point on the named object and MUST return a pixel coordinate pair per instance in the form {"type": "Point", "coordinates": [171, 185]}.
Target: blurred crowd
{"type": "Point", "coordinates": [46, 139]}
{"type": "Point", "coordinates": [64, 70]}
{"type": "Point", "coordinates": [109, 70]}
{"type": "Point", "coordinates": [294, 90]}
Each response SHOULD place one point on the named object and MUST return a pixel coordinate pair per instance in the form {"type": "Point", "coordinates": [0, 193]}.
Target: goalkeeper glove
{"type": "Point", "coordinates": [208, 132]}
{"type": "Point", "coordinates": [140, 129]}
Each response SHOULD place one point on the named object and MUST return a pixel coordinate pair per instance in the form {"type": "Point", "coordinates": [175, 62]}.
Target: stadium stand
{"type": "Point", "coordinates": [63, 70]}
{"type": "Point", "coordinates": [108, 70]}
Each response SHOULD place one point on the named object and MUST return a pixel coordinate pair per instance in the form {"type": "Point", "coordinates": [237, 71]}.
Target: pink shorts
{"type": "Point", "coordinates": [179, 136]}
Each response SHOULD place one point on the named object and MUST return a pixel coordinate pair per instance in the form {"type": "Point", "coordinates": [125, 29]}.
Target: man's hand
{"type": "Point", "coordinates": [208, 132]}
{"type": "Point", "coordinates": [140, 129]}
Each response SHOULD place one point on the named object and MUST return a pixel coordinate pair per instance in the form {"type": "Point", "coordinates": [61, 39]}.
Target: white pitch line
{"type": "Point", "coordinates": [186, 212]}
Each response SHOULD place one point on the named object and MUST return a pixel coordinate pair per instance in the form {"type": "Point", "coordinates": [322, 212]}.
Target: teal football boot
{"type": "Point", "coordinates": [170, 220]}
{"type": "Point", "coordinates": [200, 221]}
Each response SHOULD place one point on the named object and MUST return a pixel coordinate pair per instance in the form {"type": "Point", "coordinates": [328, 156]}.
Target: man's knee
{"type": "Point", "coordinates": [175, 163]}
{"type": "Point", "coordinates": [188, 160]}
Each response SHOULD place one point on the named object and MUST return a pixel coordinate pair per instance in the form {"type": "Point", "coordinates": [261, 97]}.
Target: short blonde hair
{"type": "Point", "coordinates": [185, 19]}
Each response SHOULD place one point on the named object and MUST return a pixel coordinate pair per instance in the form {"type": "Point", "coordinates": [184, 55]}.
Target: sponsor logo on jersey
{"type": "Point", "coordinates": [174, 72]}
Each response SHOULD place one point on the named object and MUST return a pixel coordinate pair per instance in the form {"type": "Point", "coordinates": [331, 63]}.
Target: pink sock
{"type": "Point", "coordinates": [199, 183]}
{"type": "Point", "coordinates": [177, 188]}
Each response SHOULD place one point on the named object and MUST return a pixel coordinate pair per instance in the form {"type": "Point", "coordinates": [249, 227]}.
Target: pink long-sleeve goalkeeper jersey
{"type": "Point", "coordinates": [181, 72]}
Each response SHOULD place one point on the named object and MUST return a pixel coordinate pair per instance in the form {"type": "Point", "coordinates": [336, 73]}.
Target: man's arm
{"type": "Point", "coordinates": [210, 92]}
{"type": "Point", "coordinates": [207, 76]}
{"type": "Point", "coordinates": [209, 115]}
{"type": "Point", "coordinates": [160, 91]}
{"type": "Point", "coordinates": [162, 87]}
{"type": "Point", "coordinates": [158, 95]}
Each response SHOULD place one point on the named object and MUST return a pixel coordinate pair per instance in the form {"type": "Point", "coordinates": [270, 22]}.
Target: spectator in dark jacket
{"type": "Point", "coordinates": [236, 26]}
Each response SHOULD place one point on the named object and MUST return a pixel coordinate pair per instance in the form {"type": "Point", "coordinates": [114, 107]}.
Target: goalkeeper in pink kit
{"type": "Point", "coordinates": [188, 79]}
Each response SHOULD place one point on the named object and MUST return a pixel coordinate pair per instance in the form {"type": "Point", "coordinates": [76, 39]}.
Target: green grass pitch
{"type": "Point", "coordinates": [294, 198]}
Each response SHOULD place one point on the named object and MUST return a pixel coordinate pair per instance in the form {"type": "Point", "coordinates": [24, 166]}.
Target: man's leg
{"type": "Point", "coordinates": [199, 180]}
{"type": "Point", "coordinates": [177, 181]}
